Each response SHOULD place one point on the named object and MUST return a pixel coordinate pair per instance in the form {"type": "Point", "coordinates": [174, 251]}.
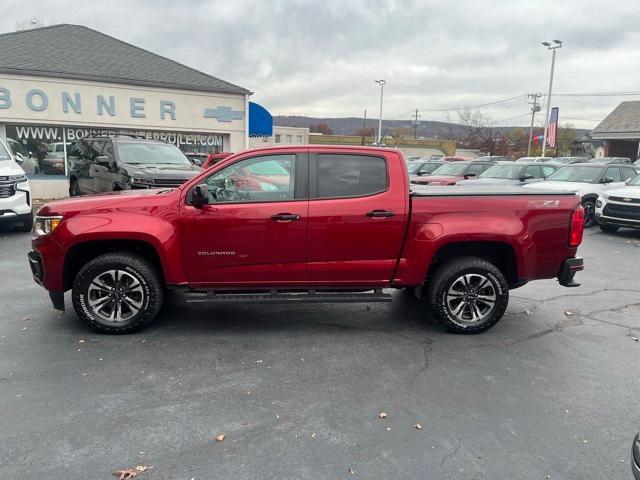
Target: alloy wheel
{"type": "Point", "coordinates": [115, 296]}
{"type": "Point", "coordinates": [471, 298]}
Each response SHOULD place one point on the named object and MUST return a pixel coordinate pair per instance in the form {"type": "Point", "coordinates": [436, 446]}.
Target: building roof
{"type": "Point", "coordinates": [78, 52]}
{"type": "Point", "coordinates": [622, 123]}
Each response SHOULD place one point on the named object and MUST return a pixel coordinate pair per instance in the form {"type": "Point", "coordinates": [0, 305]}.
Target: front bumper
{"type": "Point", "coordinates": [38, 271]}
{"type": "Point", "coordinates": [569, 268]}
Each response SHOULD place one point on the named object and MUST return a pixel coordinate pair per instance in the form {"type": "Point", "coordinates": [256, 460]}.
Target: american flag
{"type": "Point", "coordinates": [552, 134]}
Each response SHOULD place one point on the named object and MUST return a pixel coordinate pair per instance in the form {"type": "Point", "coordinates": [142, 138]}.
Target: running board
{"type": "Point", "coordinates": [275, 296]}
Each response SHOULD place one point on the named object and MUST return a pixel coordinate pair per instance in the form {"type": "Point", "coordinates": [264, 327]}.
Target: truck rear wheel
{"type": "Point", "coordinates": [117, 293]}
{"type": "Point", "coordinates": [468, 295]}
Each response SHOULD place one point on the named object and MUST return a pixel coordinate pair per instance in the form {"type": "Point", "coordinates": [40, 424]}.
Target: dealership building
{"type": "Point", "coordinates": [63, 82]}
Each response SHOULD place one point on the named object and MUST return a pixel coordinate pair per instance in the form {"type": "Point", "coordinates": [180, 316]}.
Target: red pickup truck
{"type": "Point", "coordinates": [309, 224]}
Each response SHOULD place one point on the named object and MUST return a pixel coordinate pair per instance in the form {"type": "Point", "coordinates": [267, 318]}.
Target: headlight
{"type": "Point", "coordinates": [45, 225]}
{"type": "Point", "coordinates": [142, 181]}
{"type": "Point", "coordinates": [17, 178]}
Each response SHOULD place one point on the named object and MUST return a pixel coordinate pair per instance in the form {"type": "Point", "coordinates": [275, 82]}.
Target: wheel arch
{"type": "Point", "coordinates": [80, 253]}
{"type": "Point", "coordinates": [500, 254]}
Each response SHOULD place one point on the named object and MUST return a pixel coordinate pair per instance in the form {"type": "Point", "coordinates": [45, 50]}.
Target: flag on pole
{"type": "Point", "coordinates": [552, 134]}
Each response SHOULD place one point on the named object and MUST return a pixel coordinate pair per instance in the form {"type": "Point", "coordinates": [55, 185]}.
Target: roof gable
{"type": "Point", "coordinates": [624, 120]}
{"type": "Point", "coordinates": [75, 51]}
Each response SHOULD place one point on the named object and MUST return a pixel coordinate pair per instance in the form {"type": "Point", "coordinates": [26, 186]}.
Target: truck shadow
{"type": "Point", "coordinates": [405, 313]}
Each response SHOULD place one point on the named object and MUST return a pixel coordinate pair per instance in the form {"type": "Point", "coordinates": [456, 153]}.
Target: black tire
{"type": "Point", "coordinates": [26, 225]}
{"type": "Point", "coordinates": [149, 293]}
{"type": "Point", "coordinates": [608, 228]}
{"type": "Point", "coordinates": [74, 188]}
{"type": "Point", "coordinates": [589, 206]}
{"type": "Point", "coordinates": [466, 271]}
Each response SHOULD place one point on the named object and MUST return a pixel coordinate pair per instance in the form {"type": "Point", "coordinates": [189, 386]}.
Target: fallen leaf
{"type": "Point", "coordinates": [635, 339]}
{"type": "Point", "coordinates": [388, 429]}
{"type": "Point", "coordinates": [82, 340]}
{"type": "Point", "coordinates": [23, 329]}
{"type": "Point", "coordinates": [417, 426]}
{"type": "Point", "coordinates": [350, 471]}
{"type": "Point", "coordinates": [313, 435]}
{"type": "Point", "coordinates": [584, 441]}
{"type": "Point", "coordinates": [382, 415]}
{"type": "Point", "coordinates": [569, 313]}
{"type": "Point", "coordinates": [128, 473]}
{"type": "Point", "coordinates": [219, 438]}
{"type": "Point", "coordinates": [26, 318]}
{"type": "Point", "coordinates": [528, 313]}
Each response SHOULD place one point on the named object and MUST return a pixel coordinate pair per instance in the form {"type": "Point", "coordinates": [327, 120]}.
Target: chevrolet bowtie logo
{"type": "Point", "coordinates": [223, 114]}
{"type": "Point", "coordinates": [626, 199]}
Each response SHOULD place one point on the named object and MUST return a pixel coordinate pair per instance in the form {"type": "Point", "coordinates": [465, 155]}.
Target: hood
{"type": "Point", "coordinates": [161, 170]}
{"type": "Point", "coordinates": [429, 179]}
{"type": "Point", "coordinates": [9, 167]}
{"type": "Point", "coordinates": [625, 192]}
{"type": "Point", "coordinates": [490, 181]}
{"type": "Point", "coordinates": [125, 199]}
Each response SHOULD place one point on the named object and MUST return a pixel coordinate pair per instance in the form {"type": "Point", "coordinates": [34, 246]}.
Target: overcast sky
{"type": "Point", "coordinates": [321, 58]}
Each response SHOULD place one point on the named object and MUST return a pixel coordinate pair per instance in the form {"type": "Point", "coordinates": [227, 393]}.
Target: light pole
{"type": "Point", "coordinates": [553, 47]}
{"type": "Point", "coordinates": [382, 83]}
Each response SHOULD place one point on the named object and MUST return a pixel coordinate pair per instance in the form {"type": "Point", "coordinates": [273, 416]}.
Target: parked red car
{"type": "Point", "coordinates": [341, 228]}
{"type": "Point", "coordinates": [214, 158]}
{"type": "Point", "coordinates": [451, 173]}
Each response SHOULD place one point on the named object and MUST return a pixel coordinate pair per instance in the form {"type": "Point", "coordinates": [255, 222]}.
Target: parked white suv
{"type": "Point", "coordinates": [15, 194]}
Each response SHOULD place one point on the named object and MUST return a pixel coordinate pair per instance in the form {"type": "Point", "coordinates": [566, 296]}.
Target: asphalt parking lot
{"type": "Point", "coordinates": [551, 392]}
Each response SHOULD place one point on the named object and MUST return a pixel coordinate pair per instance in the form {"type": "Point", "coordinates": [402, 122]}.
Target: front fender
{"type": "Point", "coordinates": [158, 232]}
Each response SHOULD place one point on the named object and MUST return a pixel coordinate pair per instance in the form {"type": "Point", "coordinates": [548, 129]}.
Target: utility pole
{"type": "Point", "coordinates": [364, 125]}
{"type": "Point", "coordinates": [557, 44]}
{"type": "Point", "coordinates": [535, 107]}
{"type": "Point", "coordinates": [415, 125]}
{"type": "Point", "coordinates": [382, 83]}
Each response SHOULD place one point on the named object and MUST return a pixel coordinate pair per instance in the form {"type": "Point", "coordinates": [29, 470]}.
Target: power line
{"type": "Point", "coordinates": [598, 94]}
{"type": "Point", "coordinates": [480, 105]}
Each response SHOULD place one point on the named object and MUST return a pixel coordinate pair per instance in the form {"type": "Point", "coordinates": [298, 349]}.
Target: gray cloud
{"type": "Point", "coordinates": [320, 58]}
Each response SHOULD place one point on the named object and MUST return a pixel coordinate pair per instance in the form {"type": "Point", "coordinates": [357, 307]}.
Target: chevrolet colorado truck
{"type": "Point", "coordinates": [304, 224]}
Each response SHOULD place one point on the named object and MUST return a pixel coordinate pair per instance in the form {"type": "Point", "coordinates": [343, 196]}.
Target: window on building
{"type": "Point", "coordinates": [350, 175]}
{"type": "Point", "coordinates": [278, 140]}
{"type": "Point", "coordinates": [298, 138]}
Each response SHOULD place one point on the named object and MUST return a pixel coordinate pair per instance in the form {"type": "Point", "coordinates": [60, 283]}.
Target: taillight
{"type": "Point", "coordinates": [577, 227]}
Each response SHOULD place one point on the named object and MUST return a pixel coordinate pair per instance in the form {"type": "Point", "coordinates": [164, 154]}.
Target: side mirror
{"type": "Point", "coordinates": [606, 180]}
{"type": "Point", "coordinates": [19, 158]}
{"type": "Point", "coordinates": [200, 195]}
{"type": "Point", "coordinates": [525, 177]}
{"type": "Point", "coordinates": [470, 175]}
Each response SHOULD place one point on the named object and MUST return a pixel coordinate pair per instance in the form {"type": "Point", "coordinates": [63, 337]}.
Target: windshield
{"type": "Point", "coordinates": [635, 182]}
{"type": "Point", "coordinates": [455, 169]}
{"type": "Point", "coordinates": [4, 154]}
{"type": "Point", "coordinates": [576, 174]}
{"type": "Point", "coordinates": [512, 172]}
{"type": "Point", "coordinates": [151, 153]}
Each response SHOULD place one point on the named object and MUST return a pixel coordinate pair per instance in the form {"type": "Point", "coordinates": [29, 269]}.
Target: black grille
{"type": "Point", "coordinates": [168, 182]}
{"type": "Point", "coordinates": [622, 199]}
{"type": "Point", "coordinates": [7, 190]}
{"type": "Point", "coordinates": [631, 212]}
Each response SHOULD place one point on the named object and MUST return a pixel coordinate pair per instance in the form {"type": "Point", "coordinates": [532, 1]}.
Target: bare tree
{"type": "Point", "coordinates": [28, 24]}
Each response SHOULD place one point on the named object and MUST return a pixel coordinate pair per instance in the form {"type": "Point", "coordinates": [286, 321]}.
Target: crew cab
{"type": "Point", "coordinates": [304, 224]}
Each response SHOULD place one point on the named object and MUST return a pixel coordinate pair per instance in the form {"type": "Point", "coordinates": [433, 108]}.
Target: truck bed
{"type": "Point", "coordinates": [483, 191]}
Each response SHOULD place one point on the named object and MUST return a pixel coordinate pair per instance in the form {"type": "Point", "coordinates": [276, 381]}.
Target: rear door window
{"type": "Point", "coordinates": [533, 170]}
{"type": "Point", "coordinates": [339, 175]}
{"type": "Point", "coordinates": [626, 173]}
{"type": "Point", "coordinates": [613, 172]}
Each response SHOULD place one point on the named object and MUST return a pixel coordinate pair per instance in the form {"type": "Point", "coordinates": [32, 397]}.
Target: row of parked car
{"type": "Point", "coordinates": [608, 186]}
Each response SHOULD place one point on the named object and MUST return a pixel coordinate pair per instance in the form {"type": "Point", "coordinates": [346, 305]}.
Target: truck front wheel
{"type": "Point", "coordinates": [468, 295]}
{"type": "Point", "coordinates": [117, 293]}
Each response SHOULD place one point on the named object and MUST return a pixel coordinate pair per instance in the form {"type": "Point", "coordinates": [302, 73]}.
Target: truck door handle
{"type": "Point", "coordinates": [285, 217]}
{"type": "Point", "coordinates": [380, 214]}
